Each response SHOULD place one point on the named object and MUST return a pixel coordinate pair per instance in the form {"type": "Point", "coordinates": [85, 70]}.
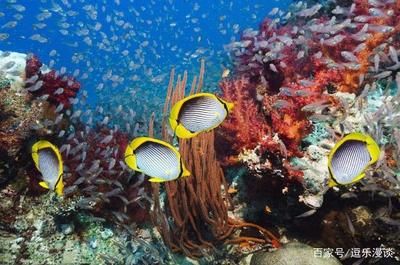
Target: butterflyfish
{"type": "Point", "coordinates": [155, 158]}
{"type": "Point", "coordinates": [198, 113]}
{"type": "Point", "coordinates": [351, 157]}
{"type": "Point", "coordinates": [48, 161]}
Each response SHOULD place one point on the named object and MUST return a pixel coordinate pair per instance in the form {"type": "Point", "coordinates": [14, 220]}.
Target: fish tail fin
{"type": "Point", "coordinates": [185, 172]}
{"type": "Point", "coordinates": [230, 106]}
{"type": "Point", "coordinates": [59, 189]}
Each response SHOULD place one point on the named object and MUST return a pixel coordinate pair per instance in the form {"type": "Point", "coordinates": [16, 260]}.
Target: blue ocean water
{"type": "Point", "coordinates": [134, 43]}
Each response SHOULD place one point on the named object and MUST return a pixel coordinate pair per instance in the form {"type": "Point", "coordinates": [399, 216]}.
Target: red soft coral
{"type": "Point", "coordinates": [245, 126]}
{"type": "Point", "coordinates": [52, 82]}
{"type": "Point", "coordinates": [96, 170]}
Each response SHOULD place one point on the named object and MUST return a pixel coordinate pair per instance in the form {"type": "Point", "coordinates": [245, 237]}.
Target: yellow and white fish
{"type": "Point", "coordinates": [48, 161]}
{"type": "Point", "coordinates": [198, 113]}
{"type": "Point", "coordinates": [351, 157]}
{"type": "Point", "coordinates": [155, 158]}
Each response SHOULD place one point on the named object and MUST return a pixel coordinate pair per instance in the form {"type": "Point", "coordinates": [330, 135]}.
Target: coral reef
{"type": "Point", "coordinates": [18, 112]}
{"type": "Point", "coordinates": [45, 231]}
{"type": "Point", "coordinates": [197, 207]}
{"type": "Point", "coordinates": [96, 171]}
{"type": "Point", "coordinates": [301, 84]}
{"type": "Point", "coordinates": [58, 88]}
{"type": "Point", "coordinates": [285, 72]}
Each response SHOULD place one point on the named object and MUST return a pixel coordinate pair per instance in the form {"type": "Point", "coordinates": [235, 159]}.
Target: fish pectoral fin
{"type": "Point", "coordinates": [156, 180]}
{"type": "Point", "coordinates": [44, 184]}
{"type": "Point", "coordinates": [185, 173]}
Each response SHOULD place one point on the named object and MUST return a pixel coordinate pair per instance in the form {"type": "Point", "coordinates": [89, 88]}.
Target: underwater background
{"type": "Point", "coordinates": [302, 168]}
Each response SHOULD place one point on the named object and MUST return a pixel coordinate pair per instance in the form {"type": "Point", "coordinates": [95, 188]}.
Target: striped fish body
{"type": "Point", "coordinates": [48, 161]}
{"type": "Point", "coordinates": [158, 161]}
{"type": "Point", "coordinates": [201, 113]}
{"type": "Point", "coordinates": [351, 157]}
{"type": "Point", "coordinates": [155, 158]}
{"type": "Point", "coordinates": [48, 166]}
{"type": "Point", "coordinates": [198, 113]}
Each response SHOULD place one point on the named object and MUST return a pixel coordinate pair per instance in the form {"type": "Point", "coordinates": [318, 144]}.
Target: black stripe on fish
{"type": "Point", "coordinates": [223, 104]}
{"type": "Point", "coordinates": [180, 168]}
{"type": "Point", "coordinates": [58, 180]}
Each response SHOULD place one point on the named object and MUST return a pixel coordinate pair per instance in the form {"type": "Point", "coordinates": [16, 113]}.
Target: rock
{"type": "Point", "coordinates": [9, 247]}
{"type": "Point", "coordinates": [292, 254]}
{"type": "Point", "coordinates": [67, 229]}
{"type": "Point", "coordinates": [93, 243]}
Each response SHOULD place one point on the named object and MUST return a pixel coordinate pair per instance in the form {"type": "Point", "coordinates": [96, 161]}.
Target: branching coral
{"type": "Point", "coordinates": [245, 126]}
{"type": "Point", "coordinates": [195, 216]}
{"type": "Point", "coordinates": [95, 170]}
{"type": "Point", "coordinates": [59, 88]}
{"type": "Point", "coordinates": [286, 72]}
{"type": "Point", "coordinates": [19, 112]}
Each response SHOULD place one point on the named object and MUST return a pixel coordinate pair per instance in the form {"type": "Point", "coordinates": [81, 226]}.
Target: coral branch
{"type": "Point", "coordinates": [196, 217]}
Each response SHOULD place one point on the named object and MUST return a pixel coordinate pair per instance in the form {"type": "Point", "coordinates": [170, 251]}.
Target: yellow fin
{"type": "Point", "coordinates": [59, 189]}
{"type": "Point", "coordinates": [331, 183]}
{"type": "Point", "coordinates": [156, 180]}
{"type": "Point", "coordinates": [173, 124]}
{"type": "Point", "coordinates": [229, 106]}
{"type": "Point", "coordinates": [183, 133]}
{"type": "Point", "coordinates": [44, 185]}
{"type": "Point", "coordinates": [358, 178]}
{"type": "Point", "coordinates": [185, 172]}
